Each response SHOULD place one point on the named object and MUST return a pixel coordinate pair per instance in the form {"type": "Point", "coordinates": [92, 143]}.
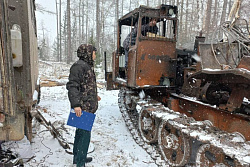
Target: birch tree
{"type": "Point", "coordinates": [69, 54]}
{"type": "Point", "coordinates": [57, 33]}
{"type": "Point", "coordinates": [214, 20]}
{"type": "Point", "coordinates": [87, 21]}
{"type": "Point", "coordinates": [97, 24]}
{"type": "Point", "coordinates": [224, 10]}
{"type": "Point", "coordinates": [83, 21]}
{"type": "Point", "coordinates": [60, 30]}
{"type": "Point", "coordinates": [79, 23]}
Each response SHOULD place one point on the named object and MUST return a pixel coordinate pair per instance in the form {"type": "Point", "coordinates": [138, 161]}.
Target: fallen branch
{"type": "Point", "coordinates": [54, 132]}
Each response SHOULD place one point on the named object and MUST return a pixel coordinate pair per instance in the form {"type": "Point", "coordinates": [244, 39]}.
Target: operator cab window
{"type": "Point", "coordinates": [165, 28]}
{"type": "Point", "coordinates": [126, 33]}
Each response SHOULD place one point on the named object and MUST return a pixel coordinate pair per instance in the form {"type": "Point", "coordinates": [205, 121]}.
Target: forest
{"type": "Point", "coordinates": [95, 22]}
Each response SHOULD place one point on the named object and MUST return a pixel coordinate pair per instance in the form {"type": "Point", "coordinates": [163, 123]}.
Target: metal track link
{"type": "Point", "coordinates": [131, 121]}
{"type": "Point", "coordinates": [211, 139]}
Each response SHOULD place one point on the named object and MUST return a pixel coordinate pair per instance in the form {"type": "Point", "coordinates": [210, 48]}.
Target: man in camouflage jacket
{"type": "Point", "coordinates": [82, 93]}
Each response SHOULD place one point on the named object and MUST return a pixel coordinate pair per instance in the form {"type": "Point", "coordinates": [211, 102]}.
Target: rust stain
{"type": "Point", "coordinates": [220, 119]}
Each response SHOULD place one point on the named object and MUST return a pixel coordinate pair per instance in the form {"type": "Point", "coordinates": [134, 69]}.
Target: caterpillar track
{"type": "Point", "coordinates": [173, 139]}
{"type": "Point", "coordinates": [131, 120]}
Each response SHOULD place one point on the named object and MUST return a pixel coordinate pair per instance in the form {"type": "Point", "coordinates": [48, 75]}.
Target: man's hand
{"type": "Point", "coordinates": [98, 97]}
{"type": "Point", "coordinates": [78, 111]}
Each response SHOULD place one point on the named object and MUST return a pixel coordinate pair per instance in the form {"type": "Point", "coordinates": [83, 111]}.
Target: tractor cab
{"type": "Point", "coordinates": [151, 59]}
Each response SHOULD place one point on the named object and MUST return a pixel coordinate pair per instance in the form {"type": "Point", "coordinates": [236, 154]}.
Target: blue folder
{"type": "Point", "coordinates": [84, 122]}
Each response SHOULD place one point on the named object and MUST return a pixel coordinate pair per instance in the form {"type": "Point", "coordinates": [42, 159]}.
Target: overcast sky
{"type": "Point", "coordinates": [49, 20]}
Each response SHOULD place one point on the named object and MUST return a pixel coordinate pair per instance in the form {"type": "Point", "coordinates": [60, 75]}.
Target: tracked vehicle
{"type": "Point", "coordinates": [185, 108]}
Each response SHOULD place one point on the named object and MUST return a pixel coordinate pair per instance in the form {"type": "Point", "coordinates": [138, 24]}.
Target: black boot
{"type": "Point", "coordinates": [88, 159]}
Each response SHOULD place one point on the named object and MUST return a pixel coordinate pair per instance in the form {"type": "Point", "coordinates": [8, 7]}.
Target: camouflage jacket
{"type": "Point", "coordinates": [82, 90]}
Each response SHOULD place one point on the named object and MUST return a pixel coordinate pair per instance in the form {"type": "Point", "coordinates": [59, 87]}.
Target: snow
{"type": "Point", "coordinates": [165, 116]}
{"type": "Point", "coordinates": [35, 95]}
{"type": "Point", "coordinates": [246, 100]}
{"type": "Point", "coordinates": [113, 143]}
{"type": "Point", "coordinates": [210, 69]}
{"type": "Point", "coordinates": [247, 159]}
{"type": "Point", "coordinates": [142, 94]}
{"type": "Point", "coordinates": [121, 79]}
{"type": "Point", "coordinates": [193, 99]}
{"type": "Point", "coordinates": [242, 70]}
{"type": "Point", "coordinates": [196, 57]}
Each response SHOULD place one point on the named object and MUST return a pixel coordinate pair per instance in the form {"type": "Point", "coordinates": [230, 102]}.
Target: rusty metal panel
{"type": "Point", "coordinates": [222, 52]}
{"type": "Point", "coordinates": [7, 94]}
{"type": "Point", "coordinates": [221, 119]}
{"type": "Point", "coordinates": [110, 84]}
{"type": "Point", "coordinates": [132, 57]}
{"type": "Point", "coordinates": [236, 97]}
{"type": "Point", "coordinates": [150, 12]}
{"type": "Point", "coordinates": [14, 130]}
{"type": "Point", "coordinates": [26, 76]}
{"type": "Point", "coordinates": [33, 46]}
{"type": "Point", "coordinates": [231, 76]}
{"type": "Point", "coordinates": [115, 66]}
{"type": "Point", "coordinates": [245, 63]}
{"type": "Point", "coordinates": [155, 59]}
{"type": "Point", "coordinates": [237, 79]}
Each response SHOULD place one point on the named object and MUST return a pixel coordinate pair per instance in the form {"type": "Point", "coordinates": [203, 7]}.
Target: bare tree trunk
{"type": "Point", "coordinates": [83, 13]}
{"type": "Point", "coordinates": [75, 39]}
{"type": "Point", "coordinates": [65, 37]}
{"type": "Point", "coordinates": [87, 21]}
{"type": "Point", "coordinates": [147, 2]}
{"type": "Point", "coordinates": [173, 3]}
{"type": "Point", "coordinates": [122, 7]}
{"type": "Point", "coordinates": [181, 21]}
{"type": "Point", "coordinates": [215, 14]}
{"type": "Point", "coordinates": [191, 22]}
{"type": "Point", "coordinates": [79, 28]}
{"type": "Point", "coordinates": [60, 30]}
{"type": "Point", "coordinates": [69, 55]}
{"type": "Point", "coordinates": [198, 17]}
{"type": "Point", "coordinates": [57, 34]}
{"type": "Point", "coordinates": [97, 25]}
{"type": "Point", "coordinates": [130, 5]}
{"type": "Point", "coordinates": [203, 16]}
{"type": "Point", "coordinates": [116, 18]}
{"type": "Point", "coordinates": [186, 21]}
{"type": "Point", "coordinates": [117, 10]}
{"type": "Point", "coordinates": [224, 9]}
{"type": "Point", "coordinates": [229, 6]}
{"type": "Point", "coordinates": [103, 34]}
{"type": "Point", "coordinates": [208, 17]}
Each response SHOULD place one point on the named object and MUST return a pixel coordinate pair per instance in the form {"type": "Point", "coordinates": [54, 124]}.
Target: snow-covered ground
{"type": "Point", "coordinates": [113, 145]}
{"type": "Point", "coordinates": [111, 142]}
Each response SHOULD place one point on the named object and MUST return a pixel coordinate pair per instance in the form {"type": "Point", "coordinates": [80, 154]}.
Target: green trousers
{"type": "Point", "coordinates": [81, 145]}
